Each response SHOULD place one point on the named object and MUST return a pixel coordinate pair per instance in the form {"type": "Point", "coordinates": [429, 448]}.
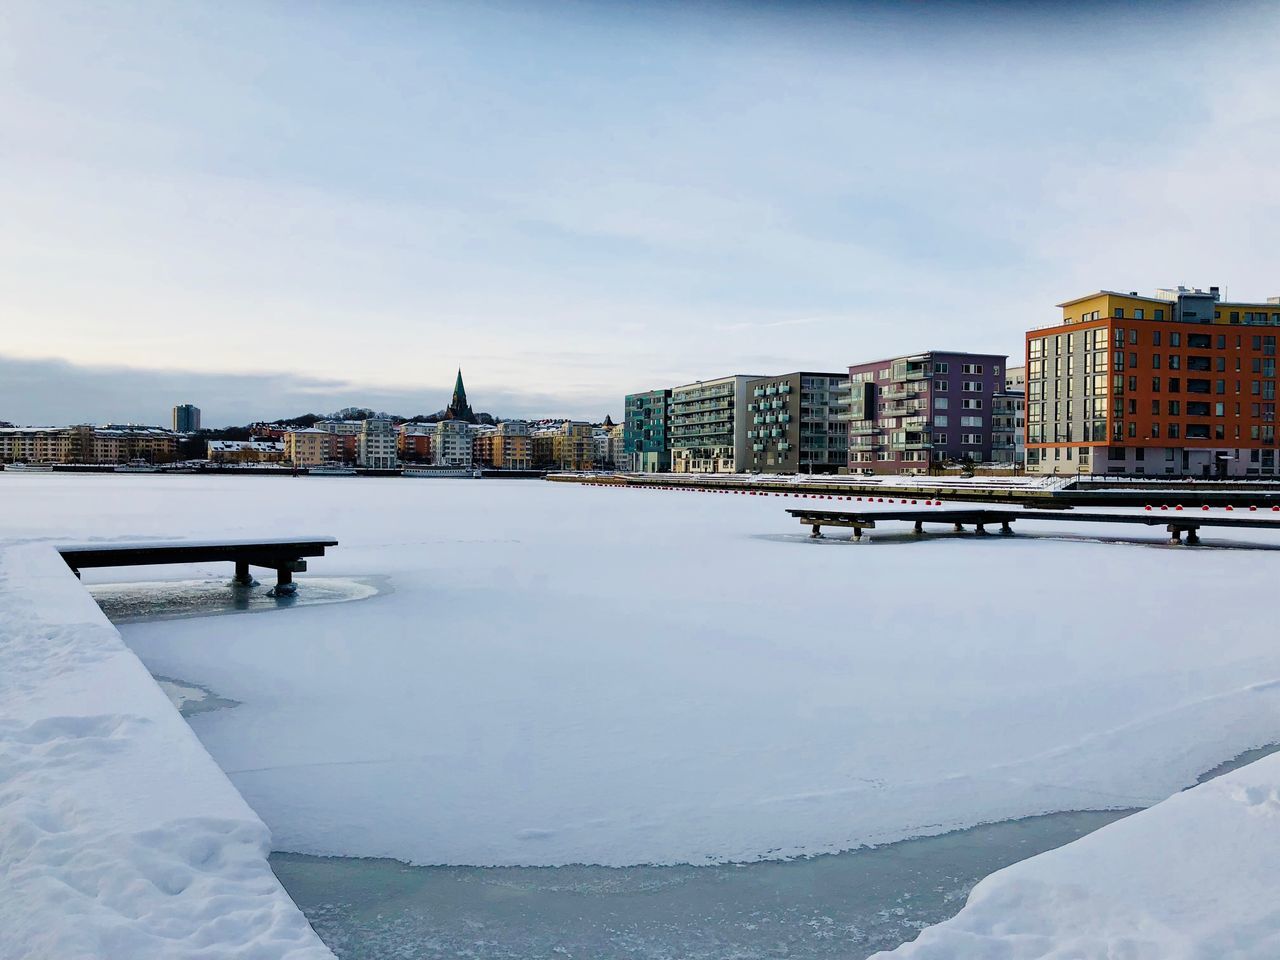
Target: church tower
{"type": "Point", "coordinates": [458, 408]}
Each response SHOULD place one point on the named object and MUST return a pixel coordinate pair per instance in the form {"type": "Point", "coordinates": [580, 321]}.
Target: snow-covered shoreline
{"type": "Point", "coordinates": [119, 834]}
{"type": "Point", "coordinates": [1195, 876]}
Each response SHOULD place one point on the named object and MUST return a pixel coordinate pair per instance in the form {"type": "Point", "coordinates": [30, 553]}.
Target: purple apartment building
{"type": "Point", "coordinates": [928, 408]}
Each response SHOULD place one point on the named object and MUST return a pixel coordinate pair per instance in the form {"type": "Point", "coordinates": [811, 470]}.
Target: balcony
{"type": "Point", "coordinates": [864, 431]}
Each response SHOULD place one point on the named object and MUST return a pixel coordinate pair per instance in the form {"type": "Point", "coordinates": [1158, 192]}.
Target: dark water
{"type": "Point", "coordinates": [845, 905]}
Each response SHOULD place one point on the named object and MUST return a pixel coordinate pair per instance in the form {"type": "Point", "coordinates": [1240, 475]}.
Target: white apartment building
{"type": "Point", "coordinates": [376, 445]}
{"type": "Point", "coordinates": [453, 444]}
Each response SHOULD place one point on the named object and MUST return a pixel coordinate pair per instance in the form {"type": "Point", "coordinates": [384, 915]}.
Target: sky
{"type": "Point", "coordinates": [270, 208]}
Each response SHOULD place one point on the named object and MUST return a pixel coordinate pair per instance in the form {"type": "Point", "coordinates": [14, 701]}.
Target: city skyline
{"type": "Point", "coordinates": [578, 204]}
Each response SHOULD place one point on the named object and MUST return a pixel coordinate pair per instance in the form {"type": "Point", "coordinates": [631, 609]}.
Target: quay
{"type": "Point", "coordinates": [285, 557]}
{"type": "Point", "coordinates": [980, 519]}
{"type": "Point", "coordinates": [1046, 493]}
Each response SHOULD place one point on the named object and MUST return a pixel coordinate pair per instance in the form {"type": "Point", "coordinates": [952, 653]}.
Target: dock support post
{"type": "Point", "coordinates": [1176, 534]}
{"type": "Point", "coordinates": [857, 533]}
{"type": "Point", "coordinates": [1005, 529]}
{"type": "Point", "coordinates": [980, 529]}
{"type": "Point", "coordinates": [817, 531]}
{"type": "Point", "coordinates": [919, 527]}
{"type": "Point", "coordinates": [285, 587]}
{"type": "Point", "coordinates": [959, 528]}
{"type": "Point", "coordinates": [1193, 538]}
{"type": "Point", "coordinates": [242, 578]}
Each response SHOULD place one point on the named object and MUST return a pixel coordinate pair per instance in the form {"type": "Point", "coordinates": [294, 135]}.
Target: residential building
{"type": "Point", "coordinates": [414, 442]}
{"type": "Point", "coordinates": [256, 450]}
{"type": "Point", "coordinates": [645, 438]}
{"type": "Point", "coordinates": [452, 447]}
{"type": "Point", "coordinates": [799, 423]}
{"type": "Point", "coordinates": [1178, 383]}
{"type": "Point", "coordinates": [376, 445]}
{"type": "Point", "coordinates": [186, 418]}
{"type": "Point", "coordinates": [512, 448]}
{"type": "Point", "coordinates": [345, 444]}
{"type": "Point", "coordinates": [708, 425]}
{"type": "Point", "coordinates": [308, 446]}
{"type": "Point", "coordinates": [570, 445]}
{"type": "Point", "coordinates": [617, 449]}
{"type": "Point", "coordinates": [1008, 427]}
{"type": "Point", "coordinates": [1015, 378]}
{"type": "Point", "coordinates": [122, 442]}
{"type": "Point", "coordinates": [909, 413]}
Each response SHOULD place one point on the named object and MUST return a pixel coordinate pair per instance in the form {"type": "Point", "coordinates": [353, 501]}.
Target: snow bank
{"type": "Point", "coordinates": [119, 836]}
{"type": "Point", "coordinates": [1193, 877]}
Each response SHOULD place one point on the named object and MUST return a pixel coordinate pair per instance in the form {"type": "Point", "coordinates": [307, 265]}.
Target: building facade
{"type": "Point", "coordinates": [909, 413]}
{"type": "Point", "coordinates": [414, 442]}
{"type": "Point", "coordinates": [646, 443]}
{"type": "Point", "coordinates": [1008, 428]}
{"type": "Point", "coordinates": [245, 451]}
{"type": "Point", "coordinates": [186, 418]}
{"type": "Point", "coordinates": [799, 423]}
{"type": "Point", "coordinates": [308, 447]}
{"type": "Point", "coordinates": [1180, 383]}
{"type": "Point", "coordinates": [452, 447]}
{"type": "Point", "coordinates": [376, 445]}
{"type": "Point", "coordinates": [708, 425]}
{"type": "Point", "coordinates": [512, 447]}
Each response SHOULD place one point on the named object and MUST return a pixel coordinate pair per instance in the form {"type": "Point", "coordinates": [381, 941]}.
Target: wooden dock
{"type": "Point", "coordinates": [285, 557]}
{"type": "Point", "coordinates": [1178, 524]}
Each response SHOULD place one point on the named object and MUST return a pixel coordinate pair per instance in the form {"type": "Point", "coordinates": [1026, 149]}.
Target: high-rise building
{"type": "Point", "coordinates": [646, 443]}
{"type": "Point", "coordinates": [452, 447]}
{"type": "Point", "coordinates": [910, 412]}
{"type": "Point", "coordinates": [1179, 383]}
{"type": "Point", "coordinates": [186, 418]}
{"type": "Point", "coordinates": [799, 423]}
{"type": "Point", "coordinates": [708, 425]}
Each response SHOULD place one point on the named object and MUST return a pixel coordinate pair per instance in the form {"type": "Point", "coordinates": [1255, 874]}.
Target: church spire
{"type": "Point", "coordinates": [458, 408]}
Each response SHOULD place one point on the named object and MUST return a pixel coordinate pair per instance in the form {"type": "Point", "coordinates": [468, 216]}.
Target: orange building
{"type": "Point", "coordinates": [1181, 384]}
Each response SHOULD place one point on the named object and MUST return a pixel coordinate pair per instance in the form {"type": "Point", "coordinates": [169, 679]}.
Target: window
{"type": "Point", "coordinates": [1218, 409]}
{"type": "Point", "coordinates": [1175, 362]}
{"type": "Point", "coordinates": [1174, 433]}
{"type": "Point", "coordinates": [943, 367]}
{"type": "Point", "coordinates": [971, 439]}
{"type": "Point", "coordinates": [971, 368]}
{"type": "Point", "coordinates": [971, 386]}
{"type": "Point", "coordinates": [1138, 314]}
{"type": "Point", "coordinates": [939, 403]}
{"type": "Point", "coordinates": [939, 438]}
{"type": "Point", "coordinates": [1159, 316]}
{"type": "Point", "coordinates": [942, 386]}
{"type": "Point", "coordinates": [1175, 408]}
{"type": "Point", "coordinates": [1175, 385]}
{"type": "Point", "coordinates": [1155, 361]}
{"type": "Point", "coordinates": [971, 404]}
{"type": "Point", "coordinates": [1175, 339]}
{"type": "Point", "coordinates": [1119, 313]}
{"type": "Point", "coordinates": [1198, 341]}
{"type": "Point", "coordinates": [970, 421]}
{"type": "Point", "coordinates": [1155, 384]}
{"type": "Point", "coordinates": [1155, 431]}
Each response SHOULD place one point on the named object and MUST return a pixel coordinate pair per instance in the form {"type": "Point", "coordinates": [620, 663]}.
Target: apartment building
{"type": "Point", "coordinates": [799, 423]}
{"type": "Point", "coordinates": [186, 418]}
{"type": "Point", "coordinates": [1179, 383]}
{"type": "Point", "coordinates": [452, 447]}
{"type": "Point", "coordinates": [376, 445]}
{"type": "Point", "coordinates": [245, 451]}
{"type": "Point", "coordinates": [646, 443]}
{"type": "Point", "coordinates": [910, 412]}
{"type": "Point", "coordinates": [308, 447]}
{"type": "Point", "coordinates": [512, 448]}
{"type": "Point", "coordinates": [1008, 427]}
{"type": "Point", "coordinates": [414, 442]}
{"type": "Point", "coordinates": [708, 425]}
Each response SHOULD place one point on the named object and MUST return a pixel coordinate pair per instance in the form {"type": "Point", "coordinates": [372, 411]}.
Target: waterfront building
{"type": "Point", "coordinates": [345, 442]}
{"type": "Point", "coordinates": [708, 425]}
{"type": "Point", "coordinates": [1015, 378]}
{"type": "Point", "coordinates": [376, 445]}
{"type": "Point", "coordinates": [186, 418]}
{"type": "Point", "coordinates": [617, 449]}
{"type": "Point", "coordinates": [799, 423]}
{"type": "Point", "coordinates": [646, 443]}
{"type": "Point", "coordinates": [1008, 427]}
{"type": "Point", "coordinates": [568, 445]}
{"type": "Point", "coordinates": [459, 408]}
{"type": "Point", "coordinates": [257, 450]}
{"type": "Point", "coordinates": [512, 447]}
{"type": "Point", "coordinates": [1179, 383]}
{"type": "Point", "coordinates": [911, 412]}
{"type": "Point", "coordinates": [414, 442]}
{"type": "Point", "coordinates": [452, 446]}
{"type": "Point", "coordinates": [308, 447]}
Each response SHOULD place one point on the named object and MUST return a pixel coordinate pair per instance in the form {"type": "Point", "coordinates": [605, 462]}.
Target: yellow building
{"type": "Point", "coordinates": [307, 448]}
{"type": "Point", "coordinates": [510, 446]}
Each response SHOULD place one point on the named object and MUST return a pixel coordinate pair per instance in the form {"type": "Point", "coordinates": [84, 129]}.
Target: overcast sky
{"type": "Point", "coordinates": [264, 208]}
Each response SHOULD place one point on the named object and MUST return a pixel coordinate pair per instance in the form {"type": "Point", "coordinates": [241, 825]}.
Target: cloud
{"type": "Point", "coordinates": [51, 391]}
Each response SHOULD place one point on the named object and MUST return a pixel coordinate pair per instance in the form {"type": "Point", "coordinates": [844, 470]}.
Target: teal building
{"type": "Point", "coordinates": [646, 443]}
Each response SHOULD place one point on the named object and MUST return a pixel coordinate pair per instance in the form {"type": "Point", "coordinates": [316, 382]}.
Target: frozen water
{"type": "Point", "coordinates": [571, 674]}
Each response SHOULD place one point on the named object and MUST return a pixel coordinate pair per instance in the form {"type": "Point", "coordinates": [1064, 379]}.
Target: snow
{"type": "Point", "coordinates": [564, 674]}
{"type": "Point", "coordinates": [1195, 876]}
{"type": "Point", "coordinates": [119, 835]}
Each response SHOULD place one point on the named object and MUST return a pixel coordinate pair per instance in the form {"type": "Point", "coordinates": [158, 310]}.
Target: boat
{"type": "Point", "coordinates": [441, 472]}
{"type": "Point", "coordinates": [137, 466]}
{"type": "Point", "coordinates": [331, 468]}
{"type": "Point", "coordinates": [30, 467]}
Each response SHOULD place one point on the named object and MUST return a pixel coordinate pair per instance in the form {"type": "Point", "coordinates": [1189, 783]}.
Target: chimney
{"type": "Point", "coordinates": [1213, 292]}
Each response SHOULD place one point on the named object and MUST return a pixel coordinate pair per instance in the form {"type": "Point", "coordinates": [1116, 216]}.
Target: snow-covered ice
{"type": "Point", "coordinates": [119, 835]}
{"type": "Point", "coordinates": [570, 674]}
{"type": "Point", "coordinates": [1194, 877]}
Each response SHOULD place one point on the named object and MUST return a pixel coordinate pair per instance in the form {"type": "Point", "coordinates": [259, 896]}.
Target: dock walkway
{"type": "Point", "coordinates": [979, 518]}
